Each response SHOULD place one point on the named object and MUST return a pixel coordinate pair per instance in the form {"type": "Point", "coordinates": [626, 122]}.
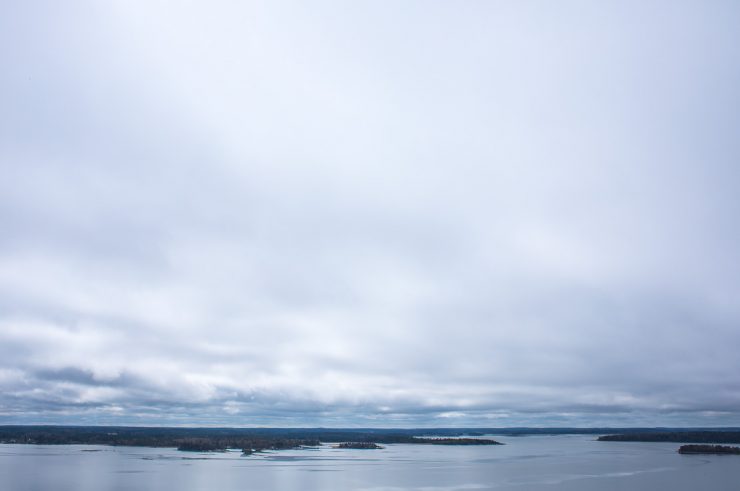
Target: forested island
{"type": "Point", "coordinates": [359, 445]}
{"type": "Point", "coordinates": [705, 436]}
{"type": "Point", "coordinates": [425, 441]}
{"type": "Point", "coordinates": [709, 449]}
{"type": "Point", "coordinates": [456, 441]}
{"type": "Point", "coordinates": [248, 440]}
{"type": "Point", "coordinates": [246, 445]}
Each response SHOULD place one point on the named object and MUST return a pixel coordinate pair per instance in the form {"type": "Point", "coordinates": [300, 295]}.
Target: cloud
{"type": "Point", "coordinates": [267, 214]}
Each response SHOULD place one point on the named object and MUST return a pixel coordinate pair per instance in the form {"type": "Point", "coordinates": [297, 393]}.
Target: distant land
{"type": "Point", "coordinates": [709, 449]}
{"type": "Point", "coordinates": [251, 440]}
{"type": "Point", "coordinates": [360, 445]}
{"type": "Point", "coordinates": [730, 435]}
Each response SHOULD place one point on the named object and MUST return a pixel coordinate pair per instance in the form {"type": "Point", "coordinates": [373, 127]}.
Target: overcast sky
{"type": "Point", "coordinates": [373, 213]}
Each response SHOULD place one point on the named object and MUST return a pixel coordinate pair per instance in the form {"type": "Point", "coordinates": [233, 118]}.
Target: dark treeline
{"type": "Point", "coordinates": [139, 436]}
{"type": "Point", "coordinates": [707, 436]}
{"type": "Point", "coordinates": [456, 441]}
{"type": "Point", "coordinates": [709, 449]}
{"type": "Point", "coordinates": [258, 444]}
{"type": "Point", "coordinates": [269, 438]}
{"type": "Point", "coordinates": [246, 444]}
{"type": "Point", "coordinates": [215, 439]}
{"type": "Point", "coordinates": [360, 445]}
{"type": "Point", "coordinates": [193, 439]}
{"type": "Point", "coordinates": [184, 438]}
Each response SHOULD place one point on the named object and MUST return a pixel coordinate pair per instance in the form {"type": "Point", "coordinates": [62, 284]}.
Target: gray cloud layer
{"type": "Point", "coordinates": [371, 213]}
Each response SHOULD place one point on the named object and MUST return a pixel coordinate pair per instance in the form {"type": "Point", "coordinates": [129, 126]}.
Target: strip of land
{"type": "Point", "coordinates": [360, 445]}
{"type": "Point", "coordinates": [258, 439]}
{"type": "Point", "coordinates": [248, 440]}
{"type": "Point", "coordinates": [709, 449]}
{"type": "Point", "coordinates": [706, 436]}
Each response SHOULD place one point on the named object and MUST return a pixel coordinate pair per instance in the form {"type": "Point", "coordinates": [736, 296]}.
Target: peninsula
{"type": "Point", "coordinates": [709, 449]}
{"type": "Point", "coordinates": [704, 436]}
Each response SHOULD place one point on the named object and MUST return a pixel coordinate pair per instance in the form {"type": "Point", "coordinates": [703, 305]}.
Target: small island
{"type": "Point", "coordinates": [359, 445]}
{"type": "Point", "coordinates": [709, 449]}
{"type": "Point", "coordinates": [456, 441]}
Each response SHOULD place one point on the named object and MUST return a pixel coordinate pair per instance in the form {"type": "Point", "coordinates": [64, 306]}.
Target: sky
{"type": "Point", "coordinates": [370, 213]}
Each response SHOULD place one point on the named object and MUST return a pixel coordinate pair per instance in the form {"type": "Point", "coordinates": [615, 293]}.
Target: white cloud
{"type": "Point", "coordinates": [347, 214]}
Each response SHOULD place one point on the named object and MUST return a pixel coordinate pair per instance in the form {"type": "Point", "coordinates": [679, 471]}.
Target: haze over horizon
{"type": "Point", "coordinates": [417, 213]}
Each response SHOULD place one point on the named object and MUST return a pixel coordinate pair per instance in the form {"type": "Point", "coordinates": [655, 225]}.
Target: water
{"type": "Point", "coordinates": [570, 462]}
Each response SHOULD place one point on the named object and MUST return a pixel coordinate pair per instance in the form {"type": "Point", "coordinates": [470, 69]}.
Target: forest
{"type": "Point", "coordinates": [704, 436]}
{"type": "Point", "coordinates": [219, 439]}
{"type": "Point", "coordinates": [709, 449]}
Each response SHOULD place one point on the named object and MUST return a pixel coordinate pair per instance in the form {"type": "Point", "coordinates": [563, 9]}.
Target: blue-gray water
{"type": "Point", "coordinates": [525, 463]}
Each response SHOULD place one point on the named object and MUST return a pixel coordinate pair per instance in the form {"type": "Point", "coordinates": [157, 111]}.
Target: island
{"type": "Point", "coordinates": [456, 441]}
{"type": "Point", "coordinates": [247, 445]}
{"type": "Point", "coordinates": [709, 449]}
{"type": "Point", "coordinates": [359, 445]}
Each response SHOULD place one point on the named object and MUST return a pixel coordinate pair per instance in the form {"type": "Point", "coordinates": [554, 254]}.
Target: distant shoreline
{"type": "Point", "coordinates": [709, 450]}
{"type": "Point", "coordinates": [714, 436]}
{"type": "Point", "coordinates": [258, 439]}
{"type": "Point", "coordinates": [249, 440]}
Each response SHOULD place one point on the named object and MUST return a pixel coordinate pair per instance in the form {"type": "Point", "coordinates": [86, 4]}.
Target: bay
{"type": "Point", "coordinates": [563, 462]}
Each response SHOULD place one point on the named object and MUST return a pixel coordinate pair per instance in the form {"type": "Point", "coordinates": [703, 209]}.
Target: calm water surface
{"type": "Point", "coordinates": [525, 463]}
